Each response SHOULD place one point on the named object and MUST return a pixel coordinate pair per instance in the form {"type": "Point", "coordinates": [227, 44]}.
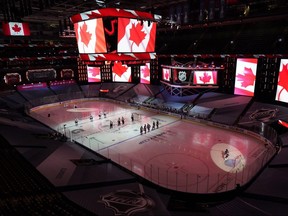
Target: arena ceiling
{"type": "Point", "coordinates": [49, 13]}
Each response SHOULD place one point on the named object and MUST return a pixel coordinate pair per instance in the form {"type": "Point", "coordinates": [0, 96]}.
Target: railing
{"type": "Point", "coordinates": [176, 179]}
{"type": "Point", "coordinates": [53, 99]}
{"type": "Point", "coordinates": [262, 129]}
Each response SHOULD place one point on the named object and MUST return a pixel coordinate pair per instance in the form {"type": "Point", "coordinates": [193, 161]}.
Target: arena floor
{"type": "Point", "coordinates": [180, 154]}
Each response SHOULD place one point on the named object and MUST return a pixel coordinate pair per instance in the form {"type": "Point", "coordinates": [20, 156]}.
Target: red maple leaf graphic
{"type": "Point", "coordinates": [119, 69]}
{"type": "Point", "coordinates": [145, 71]}
{"type": "Point", "coordinates": [166, 75]}
{"type": "Point", "coordinates": [16, 28]}
{"type": "Point", "coordinates": [136, 34]}
{"type": "Point", "coordinates": [283, 79]}
{"type": "Point", "coordinates": [205, 78]}
{"type": "Point", "coordinates": [94, 71]}
{"type": "Point", "coordinates": [247, 79]}
{"type": "Point", "coordinates": [85, 35]}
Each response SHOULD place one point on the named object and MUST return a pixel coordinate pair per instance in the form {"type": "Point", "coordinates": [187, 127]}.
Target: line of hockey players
{"type": "Point", "coordinates": [147, 127]}
{"type": "Point", "coordinates": [143, 129]}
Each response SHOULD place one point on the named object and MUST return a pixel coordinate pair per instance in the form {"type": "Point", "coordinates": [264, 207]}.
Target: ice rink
{"type": "Point", "coordinates": [181, 154]}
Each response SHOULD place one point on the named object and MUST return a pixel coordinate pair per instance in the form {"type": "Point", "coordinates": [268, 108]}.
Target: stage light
{"type": "Point", "coordinates": [283, 123]}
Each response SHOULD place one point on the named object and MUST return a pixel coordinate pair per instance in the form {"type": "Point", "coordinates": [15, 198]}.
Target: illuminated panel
{"type": "Point", "coordinates": [118, 36]}
{"type": "Point", "coordinates": [67, 73]}
{"type": "Point", "coordinates": [121, 72]}
{"type": "Point", "coordinates": [32, 86]}
{"type": "Point", "coordinates": [245, 76]}
{"type": "Point", "coordinates": [145, 73]}
{"type": "Point", "coordinates": [90, 36]}
{"type": "Point", "coordinates": [136, 36]}
{"type": "Point", "coordinates": [12, 78]}
{"type": "Point", "coordinates": [62, 82]}
{"type": "Point", "coordinates": [282, 85]}
{"type": "Point", "coordinates": [16, 29]}
{"type": "Point", "coordinates": [166, 74]}
{"type": "Point", "coordinates": [39, 75]}
{"type": "Point", "coordinates": [181, 75]}
{"type": "Point", "coordinates": [205, 78]}
{"type": "Point", "coordinates": [283, 123]}
{"type": "Point", "coordinates": [94, 74]}
{"type": "Point", "coordinates": [111, 32]}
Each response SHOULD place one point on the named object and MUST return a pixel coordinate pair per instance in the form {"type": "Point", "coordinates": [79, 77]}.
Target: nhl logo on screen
{"type": "Point", "coordinates": [127, 202]}
{"type": "Point", "coordinates": [182, 76]}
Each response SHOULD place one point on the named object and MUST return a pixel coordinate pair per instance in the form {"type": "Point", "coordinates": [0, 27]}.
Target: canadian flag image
{"type": "Point", "coordinates": [145, 73]}
{"type": "Point", "coordinates": [205, 77]}
{"type": "Point", "coordinates": [245, 76]}
{"type": "Point", "coordinates": [16, 29]}
{"type": "Point", "coordinates": [94, 74]}
{"type": "Point", "coordinates": [90, 36]}
{"type": "Point", "coordinates": [121, 72]}
{"type": "Point", "coordinates": [135, 35]}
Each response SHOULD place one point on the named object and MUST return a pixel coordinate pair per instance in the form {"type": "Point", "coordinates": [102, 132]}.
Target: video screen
{"type": "Point", "coordinates": [136, 35]}
{"type": "Point", "coordinates": [246, 69]}
{"type": "Point", "coordinates": [145, 73]}
{"type": "Point", "coordinates": [181, 76]}
{"type": "Point", "coordinates": [90, 36]}
{"type": "Point", "coordinates": [111, 33]}
{"type": "Point", "coordinates": [121, 72]}
{"type": "Point", "coordinates": [205, 78]}
{"type": "Point", "coordinates": [94, 74]}
{"type": "Point", "coordinates": [166, 74]}
{"type": "Point", "coordinates": [282, 85]}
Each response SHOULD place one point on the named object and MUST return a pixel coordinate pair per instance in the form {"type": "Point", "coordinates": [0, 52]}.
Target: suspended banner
{"type": "Point", "coordinates": [16, 29]}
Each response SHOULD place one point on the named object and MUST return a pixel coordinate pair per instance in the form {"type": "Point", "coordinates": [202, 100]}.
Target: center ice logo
{"type": "Point", "coordinates": [127, 202]}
